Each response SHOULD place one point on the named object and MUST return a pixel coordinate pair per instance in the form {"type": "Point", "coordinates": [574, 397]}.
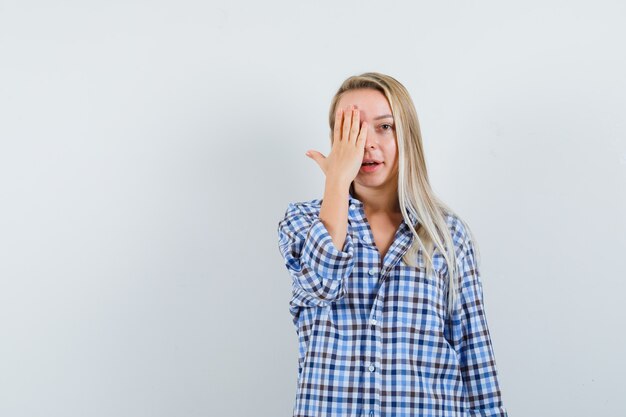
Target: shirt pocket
{"type": "Point", "coordinates": [416, 300]}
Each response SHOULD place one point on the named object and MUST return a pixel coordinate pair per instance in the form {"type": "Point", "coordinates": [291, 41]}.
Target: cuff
{"type": "Point", "coordinates": [321, 255]}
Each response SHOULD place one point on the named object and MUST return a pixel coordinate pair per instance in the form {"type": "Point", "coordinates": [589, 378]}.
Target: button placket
{"type": "Point", "coordinates": [371, 367]}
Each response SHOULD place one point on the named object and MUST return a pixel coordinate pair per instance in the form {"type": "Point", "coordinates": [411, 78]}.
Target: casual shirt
{"type": "Point", "coordinates": [374, 336]}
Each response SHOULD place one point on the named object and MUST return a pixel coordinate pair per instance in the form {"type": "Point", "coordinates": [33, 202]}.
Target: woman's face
{"type": "Point", "coordinates": [381, 145]}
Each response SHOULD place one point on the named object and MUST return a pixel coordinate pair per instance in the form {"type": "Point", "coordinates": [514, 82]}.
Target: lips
{"type": "Point", "coordinates": [368, 162]}
{"type": "Point", "coordinates": [370, 167]}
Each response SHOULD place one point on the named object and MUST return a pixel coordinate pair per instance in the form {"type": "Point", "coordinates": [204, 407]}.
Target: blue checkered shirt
{"type": "Point", "coordinates": [375, 338]}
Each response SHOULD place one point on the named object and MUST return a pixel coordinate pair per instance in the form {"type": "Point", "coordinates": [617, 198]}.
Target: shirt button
{"type": "Point", "coordinates": [373, 321]}
{"type": "Point", "coordinates": [365, 238]}
{"type": "Point", "coordinates": [372, 271]}
{"type": "Point", "coordinates": [372, 368]}
{"type": "Point", "coordinates": [371, 413]}
{"type": "Point", "coordinates": [352, 206]}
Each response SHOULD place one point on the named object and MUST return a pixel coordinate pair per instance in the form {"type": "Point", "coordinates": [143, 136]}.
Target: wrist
{"type": "Point", "coordinates": [338, 184]}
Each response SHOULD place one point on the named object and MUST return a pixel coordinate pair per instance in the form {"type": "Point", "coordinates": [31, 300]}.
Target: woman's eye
{"type": "Point", "coordinates": [386, 126]}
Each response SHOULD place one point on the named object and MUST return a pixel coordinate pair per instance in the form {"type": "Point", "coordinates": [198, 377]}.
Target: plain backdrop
{"type": "Point", "coordinates": [148, 150]}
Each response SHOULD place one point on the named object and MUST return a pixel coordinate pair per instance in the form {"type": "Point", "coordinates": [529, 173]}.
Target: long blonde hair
{"type": "Point", "coordinates": [415, 194]}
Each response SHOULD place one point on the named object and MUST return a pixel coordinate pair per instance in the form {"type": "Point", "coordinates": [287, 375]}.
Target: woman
{"type": "Point", "coordinates": [383, 330]}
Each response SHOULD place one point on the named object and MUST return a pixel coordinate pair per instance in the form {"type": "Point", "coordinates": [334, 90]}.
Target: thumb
{"type": "Point", "coordinates": [317, 157]}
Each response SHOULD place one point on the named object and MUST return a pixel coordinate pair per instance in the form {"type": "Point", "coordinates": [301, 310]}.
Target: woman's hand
{"type": "Point", "coordinates": [346, 155]}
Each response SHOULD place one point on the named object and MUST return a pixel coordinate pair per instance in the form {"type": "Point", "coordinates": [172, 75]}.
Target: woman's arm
{"type": "Point", "coordinates": [334, 210]}
{"type": "Point", "coordinates": [317, 250]}
{"type": "Point", "coordinates": [316, 265]}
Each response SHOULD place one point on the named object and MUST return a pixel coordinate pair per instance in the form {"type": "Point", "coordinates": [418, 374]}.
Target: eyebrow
{"type": "Point", "coordinates": [386, 116]}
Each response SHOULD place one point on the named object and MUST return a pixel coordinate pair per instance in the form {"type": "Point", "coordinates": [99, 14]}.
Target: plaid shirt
{"type": "Point", "coordinates": [374, 337]}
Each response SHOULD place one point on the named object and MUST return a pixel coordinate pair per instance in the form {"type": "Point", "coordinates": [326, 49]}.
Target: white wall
{"type": "Point", "coordinates": [148, 150]}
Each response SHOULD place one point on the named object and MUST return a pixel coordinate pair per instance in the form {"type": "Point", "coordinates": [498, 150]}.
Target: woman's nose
{"type": "Point", "coordinates": [371, 140]}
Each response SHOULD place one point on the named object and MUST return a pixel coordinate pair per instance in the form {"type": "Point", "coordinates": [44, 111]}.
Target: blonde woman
{"type": "Point", "coordinates": [387, 297]}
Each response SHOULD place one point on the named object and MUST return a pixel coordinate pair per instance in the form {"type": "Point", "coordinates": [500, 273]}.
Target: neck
{"type": "Point", "coordinates": [378, 199]}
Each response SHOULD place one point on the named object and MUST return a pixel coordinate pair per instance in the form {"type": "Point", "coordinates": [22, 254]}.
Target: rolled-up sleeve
{"type": "Point", "coordinates": [316, 266]}
{"type": "Point", "coordinates": [472, 341]}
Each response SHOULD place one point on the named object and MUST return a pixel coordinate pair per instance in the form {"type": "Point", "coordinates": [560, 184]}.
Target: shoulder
{"type": "Point", "coordinates": [297, 220]}
{"type": "Point", "coordinates": [304, 208]}
{"type": "Point", "coordinates": [460, 233]}
{"type": "Point", "coordinates": [300, 214]}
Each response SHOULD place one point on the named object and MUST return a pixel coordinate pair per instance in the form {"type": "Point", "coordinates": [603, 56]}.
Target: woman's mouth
{"type": "Point", "coordinates": [370, 166]}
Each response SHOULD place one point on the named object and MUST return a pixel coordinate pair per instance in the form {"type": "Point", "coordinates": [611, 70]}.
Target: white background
{"type": "Point", "coordinates": [148, 150]}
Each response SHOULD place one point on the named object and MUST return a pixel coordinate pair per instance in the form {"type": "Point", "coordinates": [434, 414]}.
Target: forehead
{"type": "Point", "coordinates": [369, 101]}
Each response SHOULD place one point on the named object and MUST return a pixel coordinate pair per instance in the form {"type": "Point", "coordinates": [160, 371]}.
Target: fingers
{"type": "Point", "coordinates": [354, 127]}
{"type": "Point", "coordinates": [347, 118]}
{"type": "Point", "coordinates": [360, 141]}
{"type": "Point", "coordinates": [338, 123]}
{"type": "Point", "coordinates": [347, 125]}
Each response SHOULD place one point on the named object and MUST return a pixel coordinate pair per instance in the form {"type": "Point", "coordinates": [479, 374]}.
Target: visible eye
{"type": "Point", "coordinates": [386, 127]}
